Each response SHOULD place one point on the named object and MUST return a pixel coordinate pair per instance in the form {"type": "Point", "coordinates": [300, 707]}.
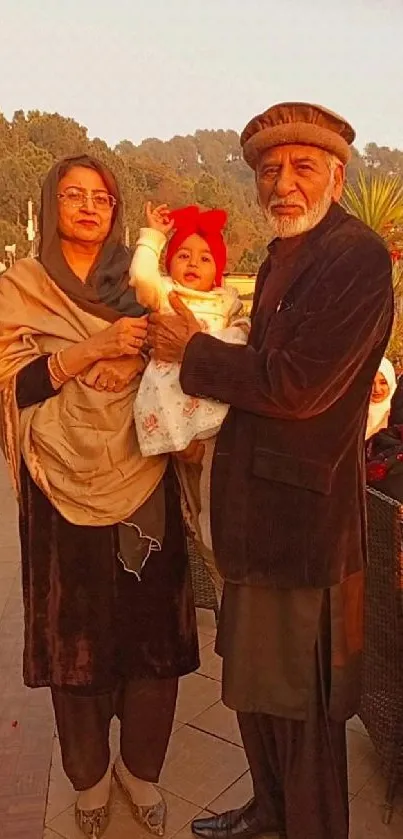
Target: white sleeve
{"type": "Point", "coordinates": [237, 333]}
{"type": "Point", "coordinates": [235, 309]}
{"type": "Point", "coordinates": [145, 276]}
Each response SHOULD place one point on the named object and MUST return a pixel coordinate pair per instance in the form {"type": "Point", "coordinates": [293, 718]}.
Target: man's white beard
{"type": "Point", "coordinates": [285, 227]}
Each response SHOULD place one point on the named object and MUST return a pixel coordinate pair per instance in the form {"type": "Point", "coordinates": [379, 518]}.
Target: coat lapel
{"type": "Point", "coordinates": [292, 268]}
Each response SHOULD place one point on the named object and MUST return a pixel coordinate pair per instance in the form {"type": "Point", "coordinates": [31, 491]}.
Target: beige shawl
{"type": "Point", "coordinates": [80, 446]}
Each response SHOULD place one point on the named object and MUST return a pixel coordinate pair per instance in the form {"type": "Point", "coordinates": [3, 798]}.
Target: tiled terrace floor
{"type": "Point", "coordinates": [205, 770]}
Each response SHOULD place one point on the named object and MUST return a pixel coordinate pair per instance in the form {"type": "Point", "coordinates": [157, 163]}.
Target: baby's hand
{"type": "Point", "coordinates": [159, 218]}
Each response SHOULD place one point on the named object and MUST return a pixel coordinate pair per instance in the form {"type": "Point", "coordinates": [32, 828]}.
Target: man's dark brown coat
{"type": "Point", "coordinates": [288, 481]}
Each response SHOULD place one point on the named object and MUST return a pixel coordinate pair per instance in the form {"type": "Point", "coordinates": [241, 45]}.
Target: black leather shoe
{"type": "Point", "coordinates": [244, 823]}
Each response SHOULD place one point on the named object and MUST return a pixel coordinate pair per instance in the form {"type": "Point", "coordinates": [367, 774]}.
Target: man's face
{"type": "Point", "coordinates": [296, 185]}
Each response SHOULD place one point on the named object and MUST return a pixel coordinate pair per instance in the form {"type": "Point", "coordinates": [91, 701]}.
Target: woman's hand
{"type": "Point", "coordinates": [124, 337]}
{"type": "Point", "coordinates": [192, 454]}
{"type": "Point", "coordinates": [113, 375]}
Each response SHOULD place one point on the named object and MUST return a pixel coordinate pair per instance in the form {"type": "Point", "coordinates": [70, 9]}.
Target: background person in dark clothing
{"type": "Point", "coordinates": [396, 408]}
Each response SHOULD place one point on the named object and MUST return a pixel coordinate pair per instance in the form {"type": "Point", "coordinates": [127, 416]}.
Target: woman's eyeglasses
{"type": "Point", "coordinates": [75, 197]}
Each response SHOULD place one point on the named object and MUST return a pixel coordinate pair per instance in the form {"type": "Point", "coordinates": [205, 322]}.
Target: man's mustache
{"type": "Point", "coordinates": [285, 202]}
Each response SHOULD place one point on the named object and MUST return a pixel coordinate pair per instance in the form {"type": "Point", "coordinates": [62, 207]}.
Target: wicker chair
{"type": "Point", "coordinates": [382, 691]}
{"type": "Point", "coordinates": [203, 588]}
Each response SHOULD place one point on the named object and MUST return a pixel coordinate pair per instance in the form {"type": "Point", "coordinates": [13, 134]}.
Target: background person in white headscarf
{"type": "Point", "coordinates": [383, 389]}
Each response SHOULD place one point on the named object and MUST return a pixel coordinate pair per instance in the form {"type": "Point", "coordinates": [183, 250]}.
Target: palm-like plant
{"type": "Point", "coordinates": [395, 347]}
{"type": "Point", "coordinates": [394, 350]}
{"type": "Point", "coordinates": [377, 200]}
{"type": "Point", "coordinates": [397, 277]}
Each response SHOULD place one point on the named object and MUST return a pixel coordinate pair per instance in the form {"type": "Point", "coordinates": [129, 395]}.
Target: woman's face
{"type": "Point", "coordinates": [85, 207]}
{"type": "Point", "coordinates": [380, 388]}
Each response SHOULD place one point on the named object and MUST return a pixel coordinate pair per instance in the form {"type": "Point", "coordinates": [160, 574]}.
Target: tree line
{"type": "Point", "coordinates": [205, 168]}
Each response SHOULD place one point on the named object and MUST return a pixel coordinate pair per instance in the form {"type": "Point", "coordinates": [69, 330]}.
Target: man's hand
{"type": "Point", "coordinates": [192, 454]}
{"type": "Point", "coordinates": [168, 334]}
{"type": "Point", "coordinates": [113, 375]}
{"type": "Point", "coordinates": [159, 218]}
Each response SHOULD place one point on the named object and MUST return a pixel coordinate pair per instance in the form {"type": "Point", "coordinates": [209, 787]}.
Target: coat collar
{"type": "Point", "coordinates": [334, 216]}
{"type": "Point", "coordinates": [292, 268]}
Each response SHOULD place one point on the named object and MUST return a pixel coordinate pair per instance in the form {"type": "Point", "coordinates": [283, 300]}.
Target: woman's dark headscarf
{"type": "Point", "coordinates": [106, 292]}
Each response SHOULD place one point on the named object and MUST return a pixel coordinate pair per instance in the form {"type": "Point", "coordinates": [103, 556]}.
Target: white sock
{"type": "Point", "coordinates": [97, 796]}
{"type": "Point", "coordinates": [143, 793]}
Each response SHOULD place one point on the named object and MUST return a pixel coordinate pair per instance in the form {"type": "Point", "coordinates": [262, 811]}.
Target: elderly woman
{"type": "Point", "coordinates": [109, 615]}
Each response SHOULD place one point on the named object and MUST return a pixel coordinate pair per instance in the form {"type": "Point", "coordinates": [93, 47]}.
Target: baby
{"type": "Point", "coordinates": [166, 419]}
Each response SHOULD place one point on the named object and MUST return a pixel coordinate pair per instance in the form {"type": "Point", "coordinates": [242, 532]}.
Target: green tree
{"type": "Point", "coordinates": [19, 130]}
{"type": "Point", "coordinates": [6, 140]}
{"type": "Point", "coordinates": [383, 159]}
{"type": "Point", "coordinates": [60, 136]}
{"type": "Point", "coordinates": [14, 190]}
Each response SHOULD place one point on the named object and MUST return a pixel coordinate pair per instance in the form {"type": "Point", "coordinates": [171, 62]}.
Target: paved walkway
{"type": "Point", "coordinates": [205, 770]}
{"type": "Point", "coordinates": [26, 721]}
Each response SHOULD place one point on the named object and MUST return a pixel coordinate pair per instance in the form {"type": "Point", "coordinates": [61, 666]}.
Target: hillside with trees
{"type": "Point", "coordinates": [205, 168]}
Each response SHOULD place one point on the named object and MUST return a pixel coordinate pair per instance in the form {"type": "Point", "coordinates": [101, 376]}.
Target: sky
{"type": "Point", "coordinates": [129, 70]}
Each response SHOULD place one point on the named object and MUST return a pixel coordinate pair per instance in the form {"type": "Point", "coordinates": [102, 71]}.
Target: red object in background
{"type": "Point", "coordinates": [395, 255]}
{"type": "Point", "coordinates": [376, 471]}
{"type": "Point", "coordinates": [14, 723]}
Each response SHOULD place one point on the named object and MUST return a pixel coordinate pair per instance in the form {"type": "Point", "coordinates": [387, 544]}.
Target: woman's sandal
{"type": "Point", "coordinates": [92, 823]}
{"type": "Point", "coordinates": [152, 817]}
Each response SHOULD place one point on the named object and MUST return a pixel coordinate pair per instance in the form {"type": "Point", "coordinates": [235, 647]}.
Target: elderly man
{"type": "Point", "coordinates": [288, 518]}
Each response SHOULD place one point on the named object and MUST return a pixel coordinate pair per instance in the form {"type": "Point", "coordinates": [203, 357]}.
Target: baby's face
{"type": "Point", "coordinates": [193, 265]}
